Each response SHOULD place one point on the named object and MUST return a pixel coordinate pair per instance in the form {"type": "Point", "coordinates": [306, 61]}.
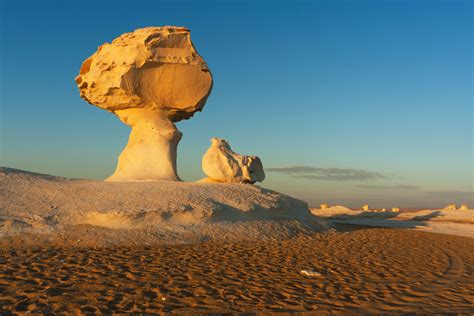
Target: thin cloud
{"type": "Point", "coordinates": [330, 174]}
{"type": "Point", "coordinates": [389, 187]}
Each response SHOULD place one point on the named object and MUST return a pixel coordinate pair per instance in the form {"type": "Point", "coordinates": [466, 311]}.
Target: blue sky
{"type": "Point", "coordinates": [345, 101]}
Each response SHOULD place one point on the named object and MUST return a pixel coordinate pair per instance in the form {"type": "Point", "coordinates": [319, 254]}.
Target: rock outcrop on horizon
{"type": "Point", "coordinates": [150, 79]}
{"type": "Point", "coordinates": [221, 164]}
{"type": "Point", "coordinates": [450, 207]}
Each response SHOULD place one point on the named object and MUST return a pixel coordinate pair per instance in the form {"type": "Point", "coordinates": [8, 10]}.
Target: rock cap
{"type": "Point", "coordinates": [152, 67]}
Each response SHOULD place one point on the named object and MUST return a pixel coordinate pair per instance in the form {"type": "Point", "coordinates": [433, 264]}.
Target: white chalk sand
{"type": "Point", "coordinates": [165, 211]}
{"type": "Point", "coordinates": [443, 221]}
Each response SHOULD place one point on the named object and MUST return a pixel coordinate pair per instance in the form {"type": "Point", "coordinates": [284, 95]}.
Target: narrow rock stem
{"type": "Point", "coordinates": [151, 150]}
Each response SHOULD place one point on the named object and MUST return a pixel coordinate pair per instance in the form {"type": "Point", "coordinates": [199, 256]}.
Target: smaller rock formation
{"type": "Point", "coordinates": [464, 207]}
{"type": "Point", "coordinates": [450, 207]}
{"type": "Point", "coordinates": [395, 209]}
{"type": "Point", "coordinates": [324, 206]}
{"type": "Point", "coordinates": [221, 164]}
{"type": "Point", "coordinates": [365, 207]}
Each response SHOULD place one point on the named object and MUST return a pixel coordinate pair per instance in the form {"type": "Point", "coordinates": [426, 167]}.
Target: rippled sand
{"type": "Point", "coordinates": [367, 270]}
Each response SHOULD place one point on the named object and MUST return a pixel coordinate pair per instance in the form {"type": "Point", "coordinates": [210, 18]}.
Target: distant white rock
{"type": "Point", "coordinates": [464, 207]}
{"type": "Point", "coordinates": [450, 207]}
{"type": "Point", "coordinates": [324, 206]}
{"type": "Point", "coordinates": [340, 208]}
{"type": "Point", "coordinates": [221, 164]}
{"type": "Point", "coordinates": [333, 211]}
{"type": "Point", "coordinates": [365, 207]}
{"type": "Point", "coordinates": [451, 222]}
{"type": "Point", "coordinates": [395, 209]}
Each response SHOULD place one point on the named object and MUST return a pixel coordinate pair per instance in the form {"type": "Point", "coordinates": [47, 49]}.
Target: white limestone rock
{"type": "Point", "coordinates": [450, 207]}
{"type": "Point", "coordinates": [149, 78]}
{"type": "Point", "coordinates": [221, 164]}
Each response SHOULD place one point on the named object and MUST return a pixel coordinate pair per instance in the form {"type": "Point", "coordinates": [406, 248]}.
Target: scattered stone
{"type": "Point", "coordinates": [310, 273]}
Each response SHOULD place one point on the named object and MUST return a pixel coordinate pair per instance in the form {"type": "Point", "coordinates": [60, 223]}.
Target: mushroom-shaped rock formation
{"type": "Point", "coordinates": [221, 164]}
{"type": "Point", "coordinates": [150, 78]}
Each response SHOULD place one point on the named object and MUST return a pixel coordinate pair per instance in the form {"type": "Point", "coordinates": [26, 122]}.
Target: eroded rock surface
{"type": "Point", "coordinates": [221, 164]}
{"type": "Point", "coordinates": [149, 78]}
{"type": "Point", "coordinates": [450, 207]}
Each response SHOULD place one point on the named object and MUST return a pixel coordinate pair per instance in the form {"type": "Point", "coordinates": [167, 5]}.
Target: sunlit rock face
{"type": "Point", "coordinates": [221, 164]}
{"type": "Point", "coordinates": [150, 78]}
{"type": "Point", "coordinates": [450, 207]}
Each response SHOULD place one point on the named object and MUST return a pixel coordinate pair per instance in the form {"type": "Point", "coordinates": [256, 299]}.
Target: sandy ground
{"type": "Point", "coordinates": [442, 221]}
{"type": "Point", "coordinates": [158, 211]}
{"type": "Point", "coordinates": [84, 246]}
{"type": "Point", "coordinates": [362, 270]}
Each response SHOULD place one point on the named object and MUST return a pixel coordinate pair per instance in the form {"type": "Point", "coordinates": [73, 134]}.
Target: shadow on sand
{"type": "Point", "coordinates": [366, 220]}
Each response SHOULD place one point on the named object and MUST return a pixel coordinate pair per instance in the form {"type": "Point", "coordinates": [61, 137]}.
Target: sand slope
{"type": "Point", "coordinates": [35, 203]}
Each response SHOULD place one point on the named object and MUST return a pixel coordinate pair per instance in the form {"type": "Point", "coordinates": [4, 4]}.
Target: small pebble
{"type": "Point", "coordinates": [310, 273]}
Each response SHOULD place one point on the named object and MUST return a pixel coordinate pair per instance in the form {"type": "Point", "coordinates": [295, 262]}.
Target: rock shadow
{"type": "Point", "coordinates": [382, 219]}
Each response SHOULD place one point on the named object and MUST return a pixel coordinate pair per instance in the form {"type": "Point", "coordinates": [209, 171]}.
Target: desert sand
{"type": "Point", "coordinates": [72, 245]}
{"type": "Point", "coordinates": [446, 220]}
{"type": "Point", "coordinates": [367, 270]}
{"type": "Point", "coordinates": [157, 212]}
